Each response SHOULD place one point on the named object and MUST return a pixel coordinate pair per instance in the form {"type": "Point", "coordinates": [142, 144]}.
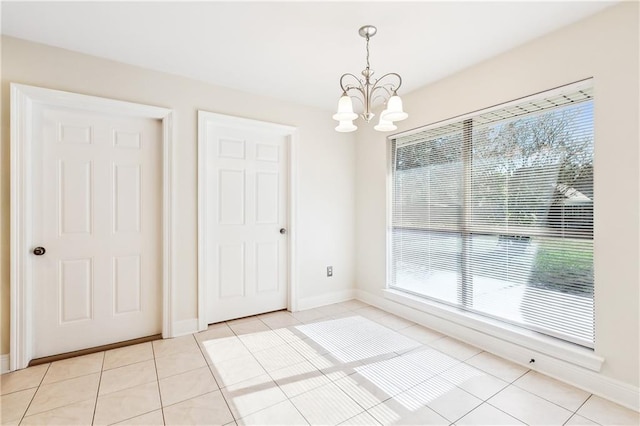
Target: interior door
{"type": "Point", "coordinates": [246, 217]}
{"type": "Point", "coordinates": [97, 224]}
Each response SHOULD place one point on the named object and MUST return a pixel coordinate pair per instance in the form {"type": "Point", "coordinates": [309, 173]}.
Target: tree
{"type": "Point", "coordinates": [524, 169]}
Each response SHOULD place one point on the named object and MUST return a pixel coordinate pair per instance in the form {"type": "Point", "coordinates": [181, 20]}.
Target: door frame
{"type": "Point", "coordinates": [291, 133]}
{"type": "Point", "coordinates": [23, 100]}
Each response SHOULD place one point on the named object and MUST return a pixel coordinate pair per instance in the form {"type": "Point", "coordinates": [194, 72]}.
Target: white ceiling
{"type": "Point", "coordinates": [295, 51]}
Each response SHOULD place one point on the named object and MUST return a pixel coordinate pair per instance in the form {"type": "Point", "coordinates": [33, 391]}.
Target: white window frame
{"type": "Point", "coordinates": [470, 322]}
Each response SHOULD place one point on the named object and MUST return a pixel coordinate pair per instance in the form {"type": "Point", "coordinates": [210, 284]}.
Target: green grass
{"type": "Point", "coordinates": [565, 266]}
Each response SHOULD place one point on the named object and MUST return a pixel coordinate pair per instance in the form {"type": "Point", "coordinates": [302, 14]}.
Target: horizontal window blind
{"type": "Point", "coordinates": [493, 213]}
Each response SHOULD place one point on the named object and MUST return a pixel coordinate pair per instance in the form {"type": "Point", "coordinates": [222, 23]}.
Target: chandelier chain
{"type": "Point", "coordinates": [367, 54]}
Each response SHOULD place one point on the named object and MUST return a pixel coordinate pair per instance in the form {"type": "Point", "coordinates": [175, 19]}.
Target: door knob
{"type": "Point", "coordinates": [39, 251]}
{"type": "Point", "coordinates": [283, 231]}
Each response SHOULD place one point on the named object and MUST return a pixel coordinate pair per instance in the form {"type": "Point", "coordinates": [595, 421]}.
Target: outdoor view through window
{"type": "Point", "coordinates": [493, 213]}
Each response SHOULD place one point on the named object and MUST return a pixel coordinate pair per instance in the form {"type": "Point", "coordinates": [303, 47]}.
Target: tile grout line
{"type": "Point", "coordinates": [510, 415]}
{"type": "Point", "coordinates": [548, 400]}
{"type": "Point", "coordinates": [483, 400]}
{"type": "Point", "coordinates": [341, 378]}
{"type": "Point", "coordinates": [95, 406]}
{"type": "Point", "coordinates": [286, 396]}
{"type": "Point", "coordinates": [575, 413]}
{"type": "Point", "coordinates": [438, 375]}
{"type": "Point", "coordinates": [524, 390]}
{"type": "Point", "coordinates": [465, 414]}
{"type": "Point", "coordinates": [155, 366]}
{"type": "Point", "coordinates": [493, 375]}
{"type": "Point", "coordinates": [535, 395]}
{"type": "Point", "coordinates": [506, 387]}
{"type": "Point", "coordinates": [520, 377]}
{"type": "Point", "coordinates": [269, 374]}
{"type": "Point", "coordinates": [290, 399]}
{"type": "Point", "coordinates": [357, 403]}
{"type": "Point", "coordinates": [173, 354]}
{"type": "Point", "coordinates": [127, 365]}
{"type": "Point", "coordinates": [209, 366]}
{"type": "Point", "coordinates": [319, 370]}
{"type": "Point", "coordinates": [364, 412]}
{"type": "Point", "coordinates": [298, 410]}
{"type": "Point", "coordinates": [511, 383]}
{"type": "Point", "coordinates": [324, 375]}
{"type": "Point", "coordinates": [271, 377]}
{"type": "Point", "coordinates": [54, 408]}
{"type": "Point", "coordinates": [34, 395]}
{"type": "Point", "coordinates": [459, 388]}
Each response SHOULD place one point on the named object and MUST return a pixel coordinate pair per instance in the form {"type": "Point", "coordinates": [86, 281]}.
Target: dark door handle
{"type": "Point", "coordinates": [283, 231]}
{"type": "Point", "coordinates": [39, 251]}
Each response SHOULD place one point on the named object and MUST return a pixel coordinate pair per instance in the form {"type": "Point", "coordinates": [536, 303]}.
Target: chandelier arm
{"type": "Point", "coordinates": [388, 90]}
{"type": "Point", "coordinates": [358, 88]}
{"type": "Point", "coordinates": [357, 98]}
{"type": "Point", "coordinates": [385, 95]}
{"type": "Point", "coordinates": [379, 83]}
{"type": "Point", "coordinates": [348, 87]}
{"type": "Point", "coordinates": [384, 98]}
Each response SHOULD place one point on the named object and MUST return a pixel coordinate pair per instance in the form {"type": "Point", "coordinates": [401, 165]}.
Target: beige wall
{"type": "Point", "coordinates": [604, 47]}
{"type": "Point", "coordinates": [325, 162]}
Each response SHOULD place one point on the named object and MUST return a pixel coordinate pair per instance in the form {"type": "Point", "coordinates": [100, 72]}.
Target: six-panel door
{"type": "Point", "coordinates": [97, 212]}
{"type": "Point", "coordinates": [246, 205]}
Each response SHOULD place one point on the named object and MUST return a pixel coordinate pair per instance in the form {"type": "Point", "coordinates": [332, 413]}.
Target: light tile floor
{"type": "Point", "coordinates": [347, 363]}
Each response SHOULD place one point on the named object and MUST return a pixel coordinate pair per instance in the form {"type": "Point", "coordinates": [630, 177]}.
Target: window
{"type": "Point", "coordinates": [493, 213]}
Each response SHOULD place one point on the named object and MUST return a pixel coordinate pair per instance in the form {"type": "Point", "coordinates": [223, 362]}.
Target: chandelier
{"type": "Point", "coordinates": [370, 92]}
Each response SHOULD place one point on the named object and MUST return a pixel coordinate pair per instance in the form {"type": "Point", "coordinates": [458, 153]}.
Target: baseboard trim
{"type": "Point", "coordinates": [188, 326]}
{"type": "Point", "coordinates": [583, 378]}
{"type": "Point", "coordinates": [326, 299]}
{"type": "Point", "coordinates": [4, 363]}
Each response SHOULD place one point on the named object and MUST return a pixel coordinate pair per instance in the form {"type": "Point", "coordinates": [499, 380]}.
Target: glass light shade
{"type": "Point", "coordinates": [345, 109]}
{"type": "Point", "coordinates": [346, 126]}
{"type": "Point", "coordinates": [394, 109]}
{"type": "Point", "coordinates": [385, 125]}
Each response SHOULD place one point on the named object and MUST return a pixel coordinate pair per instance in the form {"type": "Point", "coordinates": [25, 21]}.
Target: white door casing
{"type": "Point", "coordinates": [246, 266]}
{"type": "Point", "coordinates": [26, 101]}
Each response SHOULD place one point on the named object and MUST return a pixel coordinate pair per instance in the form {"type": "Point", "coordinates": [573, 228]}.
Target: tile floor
{"type": "Point", "coordinates": [347, 363]}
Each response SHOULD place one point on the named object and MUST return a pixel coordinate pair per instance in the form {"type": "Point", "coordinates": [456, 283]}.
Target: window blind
{"type": "Point", "coordinates": [493, 213]}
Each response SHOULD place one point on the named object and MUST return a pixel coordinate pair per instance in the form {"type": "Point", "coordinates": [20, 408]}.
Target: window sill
{"type": "Point", "coordinates": [549, 346]}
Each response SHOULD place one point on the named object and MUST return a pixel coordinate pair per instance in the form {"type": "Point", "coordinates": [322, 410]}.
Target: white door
{"type": "Point", "coordinates": [97, 213]}
{"type": "Point", "coordinates": [246, 249]}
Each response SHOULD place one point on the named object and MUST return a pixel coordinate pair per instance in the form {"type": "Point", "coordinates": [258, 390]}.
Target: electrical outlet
{"type": "Point", "coordinates": [329, 271]}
